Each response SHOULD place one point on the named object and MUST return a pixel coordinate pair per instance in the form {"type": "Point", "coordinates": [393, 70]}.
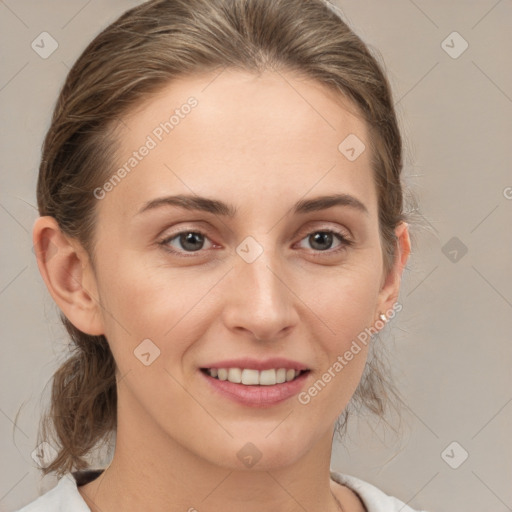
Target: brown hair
{"type": "Point", "coordinates": [141, 52]}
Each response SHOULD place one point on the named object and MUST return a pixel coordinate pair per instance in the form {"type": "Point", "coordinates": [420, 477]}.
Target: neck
{"type": "Point", "coordinates": [152, 471]}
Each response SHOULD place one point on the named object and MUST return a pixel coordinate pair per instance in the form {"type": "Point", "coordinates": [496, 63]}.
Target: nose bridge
{"type": "Point", "coordinates": [260, 301]}
{"type": "Point", "coordinates": [263, 280]}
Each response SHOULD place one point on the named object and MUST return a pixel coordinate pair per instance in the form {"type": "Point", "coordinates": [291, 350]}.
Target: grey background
{"type": "Point", "coordinates": [450, 345]}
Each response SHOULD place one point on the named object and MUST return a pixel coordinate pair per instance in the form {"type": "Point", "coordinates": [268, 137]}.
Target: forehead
{"type": "Point", "coordinates": [230, 131]}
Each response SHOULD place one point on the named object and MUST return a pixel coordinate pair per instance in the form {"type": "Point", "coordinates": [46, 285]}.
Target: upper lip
{"type": "Point", "coordinates": [258, 364]}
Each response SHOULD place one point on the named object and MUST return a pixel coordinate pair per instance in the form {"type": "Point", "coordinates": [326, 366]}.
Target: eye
{"type": "Point", "coordinates": [322, 240]}
{"type": "Point", "coordinates": [185, 241]}
{"type": "Point", "coordinates": [190, 241]}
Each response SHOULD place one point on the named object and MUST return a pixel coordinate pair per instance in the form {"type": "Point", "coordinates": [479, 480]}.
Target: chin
{"type": "Point", "coordinates": [264, 450]}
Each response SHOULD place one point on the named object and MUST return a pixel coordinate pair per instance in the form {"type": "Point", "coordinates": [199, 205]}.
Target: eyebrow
{"type": "Point", "coordinates": [193, 202]}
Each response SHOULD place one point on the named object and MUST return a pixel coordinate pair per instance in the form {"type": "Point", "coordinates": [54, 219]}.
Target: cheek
{"type": "Point", "coordinates": [157, 304]}
{"type": "Point", "coordinates": [139, 296]}
{"type": "Point", "coordinates": [342, 310]}
{"type": "Point", "coordinates": [344, 302]}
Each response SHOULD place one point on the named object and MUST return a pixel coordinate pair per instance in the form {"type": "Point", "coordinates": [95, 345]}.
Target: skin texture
{"type": "Point", "coordinates": [260, 143]}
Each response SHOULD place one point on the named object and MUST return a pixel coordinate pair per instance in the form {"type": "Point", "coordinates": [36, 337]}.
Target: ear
{"type": "Point", "coordinates": [390, 289]}
{"type": "Point", "coordinates": [66, 270]}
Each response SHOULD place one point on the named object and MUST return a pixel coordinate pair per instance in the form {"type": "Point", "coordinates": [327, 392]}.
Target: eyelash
{"type": "Point", "coordinates": [344, 242]}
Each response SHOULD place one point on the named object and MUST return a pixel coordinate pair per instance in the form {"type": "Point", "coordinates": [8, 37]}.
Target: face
{"type": "Point", "coordinates": [252, 271]}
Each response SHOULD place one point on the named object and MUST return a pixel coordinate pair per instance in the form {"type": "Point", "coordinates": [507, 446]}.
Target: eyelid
{"type": "Point", "coordinates": [309, 229]}
{"type": "Point", "coordinates": [165, 239]}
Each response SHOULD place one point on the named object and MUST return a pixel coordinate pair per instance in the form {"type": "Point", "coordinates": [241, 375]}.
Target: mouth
{"type": "Point", "coordinates": [252, 377]}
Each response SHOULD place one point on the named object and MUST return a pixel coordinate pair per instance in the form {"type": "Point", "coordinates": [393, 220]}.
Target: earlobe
{"type": "Point", "coordinates": [64, 266]}
{"type": "Point", "coordinates": [390, 290]}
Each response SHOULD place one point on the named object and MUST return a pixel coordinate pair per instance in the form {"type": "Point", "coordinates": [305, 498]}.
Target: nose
{"type": "Point", "coordinates": [258, 299]}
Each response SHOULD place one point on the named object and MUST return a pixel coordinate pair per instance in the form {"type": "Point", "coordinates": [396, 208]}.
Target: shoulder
{"type": "Point", "coordinates": [64, 497]}
{"type": "Point", "coordinates": [372, 497]}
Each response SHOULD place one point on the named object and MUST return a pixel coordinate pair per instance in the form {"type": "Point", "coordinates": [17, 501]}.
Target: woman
{"type": "Point", "coordinates": [199, 154]}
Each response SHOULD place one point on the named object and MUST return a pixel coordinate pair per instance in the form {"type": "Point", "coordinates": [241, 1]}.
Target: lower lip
{"type": "Point", "coordinates": [257, 396]}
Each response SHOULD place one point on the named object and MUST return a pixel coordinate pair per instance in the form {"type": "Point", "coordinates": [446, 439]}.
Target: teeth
{"type": "Point", "coordinates": [281, 375]}
{"type": "Point", "coordinates": [267, 377]}
{"type": "Point", "coordinates": [235, 375]}
{"type": "Point", "coordinates": [251, 377]}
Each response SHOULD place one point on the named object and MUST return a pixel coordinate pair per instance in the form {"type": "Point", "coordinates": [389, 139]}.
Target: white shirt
{"type": "Point", "coordinates": [64, 497]}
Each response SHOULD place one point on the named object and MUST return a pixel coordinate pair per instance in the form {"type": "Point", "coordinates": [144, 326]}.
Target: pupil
{"type": "Point", "coordinates": [321, 237]}
{"type": "Point", "coordinates": [187, 241]}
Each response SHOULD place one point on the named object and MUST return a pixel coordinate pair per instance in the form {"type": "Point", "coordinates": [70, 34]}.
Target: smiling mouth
{"type": "Point", "coordinates": [250, 377]}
